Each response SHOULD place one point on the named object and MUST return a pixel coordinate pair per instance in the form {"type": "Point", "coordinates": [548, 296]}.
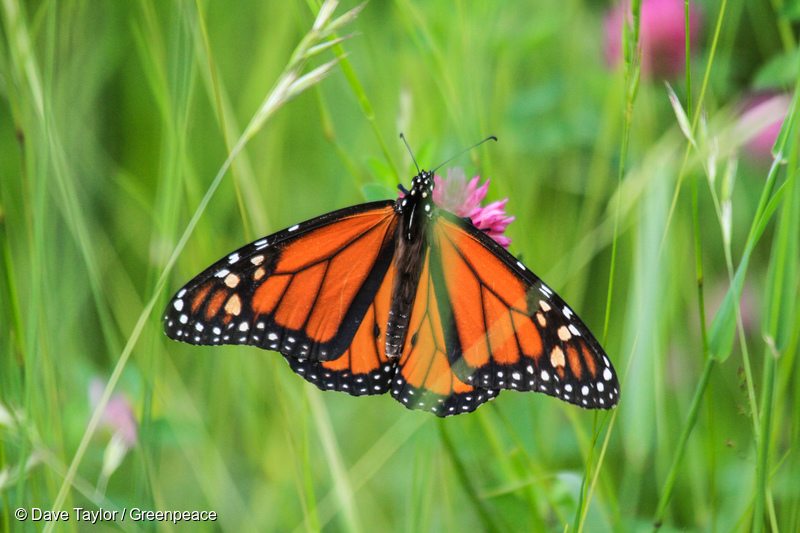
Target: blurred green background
{"type": "Point", "coordinates": [116, 117]}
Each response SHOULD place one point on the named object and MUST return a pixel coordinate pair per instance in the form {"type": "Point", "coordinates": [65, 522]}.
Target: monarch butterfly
{"type": "Point", "coordinates": [401, 296]}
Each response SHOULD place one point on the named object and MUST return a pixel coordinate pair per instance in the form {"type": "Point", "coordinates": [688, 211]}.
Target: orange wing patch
{"type": "Point", "coordinates": [200, 297]}
{"type": "Point", "coordinates": [326, 242]}
{"type": "Point", "coordinates": [296, 302]}
{"type": "Point", "coordinates": [530, 340]}
{"type": "Point", "coordinates": [574, 361]}
{"type": "Point", "coordinates": [269, 293]}
{"type": "Point", "coordinates": [500, 330]}
{"type": "Point", "coordinates": [591, 364]}
{"type": "Point", "coordinates": [215, 303]}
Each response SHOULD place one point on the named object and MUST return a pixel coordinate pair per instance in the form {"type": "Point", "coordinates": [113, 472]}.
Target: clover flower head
{"type": "Point", "coordinates": [453, 193]}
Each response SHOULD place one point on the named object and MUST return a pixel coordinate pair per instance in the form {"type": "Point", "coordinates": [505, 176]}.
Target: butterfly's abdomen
{"type": "Point", "coordinates": [408, 257]}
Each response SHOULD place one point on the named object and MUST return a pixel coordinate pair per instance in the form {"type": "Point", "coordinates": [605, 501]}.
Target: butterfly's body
{"type": "Point", "coordinates": [401, 297]}
{"type": "Point", "coordinates": [414, 210]}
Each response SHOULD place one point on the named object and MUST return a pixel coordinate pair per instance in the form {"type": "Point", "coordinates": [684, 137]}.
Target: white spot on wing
{"type": "Point", "coordinates": [233, 258]}
{"type": "Point", "coordinates": [294, 228]}
{"type": "Point", "coordinates": [178, 305]}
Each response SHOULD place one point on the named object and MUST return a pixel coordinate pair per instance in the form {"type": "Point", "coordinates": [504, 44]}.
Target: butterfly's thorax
{"type": "Point", "coordinates": [415, 209]}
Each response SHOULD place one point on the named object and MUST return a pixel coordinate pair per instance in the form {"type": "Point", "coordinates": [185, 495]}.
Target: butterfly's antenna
{"type": "Point", "coordinates": [489, 138]}
{"type": "Point", "coordinates": [410, 152]}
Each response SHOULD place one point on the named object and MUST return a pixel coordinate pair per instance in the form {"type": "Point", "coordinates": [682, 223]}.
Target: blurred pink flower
{"type": "Point", "coordinates": [662, 35]}
{"type": "Point", "coordinates": [761, 122]}
{"type": "Point", "coordinates": [118, 415]}
{"type": "Point", "coordinates": [454, 194]}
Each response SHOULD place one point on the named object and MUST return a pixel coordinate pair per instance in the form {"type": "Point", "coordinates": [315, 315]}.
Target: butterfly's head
{"type": "Point", "coordinates": [418, 201]}
{"type": "Point", "coordinates": [423, 184]}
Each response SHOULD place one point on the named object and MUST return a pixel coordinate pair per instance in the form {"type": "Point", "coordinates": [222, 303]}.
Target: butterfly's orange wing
{"type": "Point", "coordinates": [505, 329]}
{"type": "Point", "coordinates": [312, 292]}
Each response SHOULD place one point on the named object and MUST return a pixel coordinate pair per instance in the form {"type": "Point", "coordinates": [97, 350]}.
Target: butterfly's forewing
{"type": "Point", "coordinates": [303, 291]}
{"type": "Point", "coordinates": [425, 379]}
{"type": "Point", "coordinates": [507, 329]}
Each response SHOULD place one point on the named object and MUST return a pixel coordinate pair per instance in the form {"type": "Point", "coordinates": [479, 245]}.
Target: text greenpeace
{"type": "Point", "coordinates": [144, 515]}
